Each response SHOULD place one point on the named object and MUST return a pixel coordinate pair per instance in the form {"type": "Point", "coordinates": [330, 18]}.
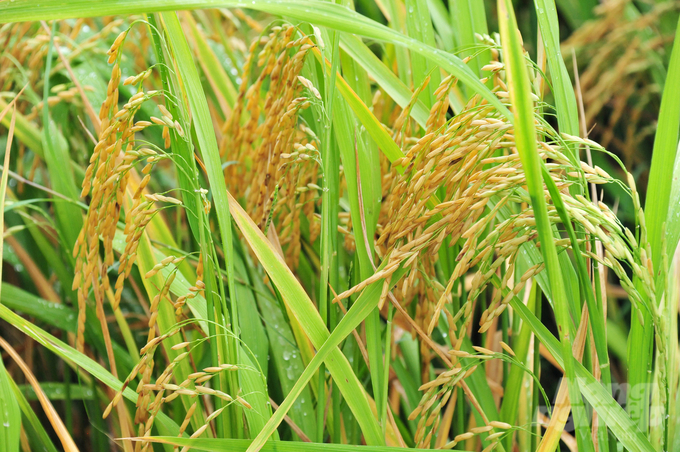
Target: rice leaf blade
{"type": "Point", "coordinates": [565, 100]}
{"type": "Point", "coordinates": [303, 308]}
{"type": "Point", "coordinates": [526, 146]}
{"type": "Point", "coordinates": [659, 206]}
{"type": "Point", "coordinates": [616, 418]}
{"type": "Point", "coordinates": [419, 26]}
{"type": "Point", "coordinates": [38, 431]}
{"type": "Point", "coordinates": [10, 415]}
{"type": "Point", "coordinates": [326, 14]}
{"type": "Point", "coordinates": [392, 85]}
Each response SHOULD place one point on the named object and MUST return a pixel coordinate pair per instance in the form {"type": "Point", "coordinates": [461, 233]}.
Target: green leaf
{"type": "Point", "coordinates": [326, 14]}
{"type": "Point", "coordinates": [33, 427]}
{"type": "Point", "coordinates": [57, 391]}
{"type": "Point", "coordinates": [525, 137]}
{"type": "Point", "coordinates": [609, 409]}
{"type": "Point", "coordinates": [565, 100]}
{"type": "Point", "coordinates": [659, 215]}
{"type": "Point", "coordinates": [419, 26]}
{"type": "Point", "coordinates": [238, 445]}
{"type": "Point", "coordinates": [471, 19]}
{"type": "Point", "coordinates": [385, 78]}
{"type": "Point", "coordinates": [212, 68]}
{"type": "Point", "coordinates": [25, 131]}
{"type": "Point", "coordinates": [10, 415]}
{"type": "Point", "coordinates": [58, 315]}
{"type": "Point", "coordinates": [576, 12]}
{"type": "Point", "coordinates": [287, 361]}
{"type": "Point", "coordinates": [59, 165]}
{"type": "Point", "coordinates": [204, 136]}
{"type": "Point", "coordinates": [71, 355]}
{"type": "Point", "coordinates": [302, 307]}
{"type": "Point", "coordinates": [365, 194]}
{"type": "Point", "coordinates": [440, 19]}
{"type": "Point", "coordinates": [659, 208]}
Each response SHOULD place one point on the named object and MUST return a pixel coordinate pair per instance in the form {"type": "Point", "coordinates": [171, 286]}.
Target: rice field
{"type": "Point", "coordinates": [353, 225]}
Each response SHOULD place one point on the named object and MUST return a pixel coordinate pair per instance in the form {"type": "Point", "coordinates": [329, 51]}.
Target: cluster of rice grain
{"type": "Point", "coordinates": [25, 44]}
{"type": "Point", "coordinates": [113, 185]}
{"type": "Point", "coordinates": [620, 57]}
{"type": "Point", "coordinates": [277, 158]}
{"type": "Point", "coordinates": [471, 161]}
{"type": "Point", "coordinates": [441, 390]}
{"type": "Point", "coordinates": [144, 369]}
{"type": "Point", "coordinates": [435, 398]}
{"type": "Point", "coordinates": [106, 181]}
{"type": "Point", "coordinates": [61, 94]}
{"type": "Point", "coordinates": [153, 396]}
{"type": "Point", "coordinates": [194, 290]}
{"type": "Point", "coordinates": [495, 431]}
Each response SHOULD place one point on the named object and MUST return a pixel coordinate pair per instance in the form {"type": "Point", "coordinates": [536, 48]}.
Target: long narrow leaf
{"type": "Point", "coordinates": [327, 14]}
{"type": "Point", "coordinates": [525, 136]}
{"type": "Point", "coordinates": [303, 308]}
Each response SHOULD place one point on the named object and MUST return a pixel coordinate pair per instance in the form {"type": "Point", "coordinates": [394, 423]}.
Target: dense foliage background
{"type": "Point", "coordinates": [232, 225]}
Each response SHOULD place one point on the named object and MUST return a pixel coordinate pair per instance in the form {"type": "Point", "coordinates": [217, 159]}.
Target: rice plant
{"type": "Point", "coordinates": [354, 225]}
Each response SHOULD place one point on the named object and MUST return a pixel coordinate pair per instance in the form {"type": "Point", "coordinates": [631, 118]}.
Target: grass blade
{"type": "Point", "coordinates": [520, 95]}
{"type": "Point", "coordinates": [235, 445]}
{"type": "Point", "coordinates": [419, 26]}
{"type": "Point", "coordinates": [52, 415]}
{"type": "Point", "coordinates": [59, 164]}
{"type": "Point", "coordinates": [618, 421]}
{"type": "Point", "coordinates": [9, 408]}
{"type": "Point", "coordinates": [326, 14]}
{"type": "Point", "coordinates": [471, 18]}
{"type": "Point", "coordinates": [207, 144]}
{"type": "Point", "coordinates": [38, 434]}
{"type": "Point", "coordinates": [657, 209]}
{"type": "Point", "coordinates": [303, 308]}
{"type": "Point", "coordinates": [383, 76]}
{"type": "Point", "coordinates": [658, 204]}
{"type": "Point", "coordinates": [565, 100]}
{"type": "Point", "coordinates": [10, 415]}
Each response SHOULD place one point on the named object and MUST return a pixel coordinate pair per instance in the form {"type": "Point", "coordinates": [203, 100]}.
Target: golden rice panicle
{"type": "Point", "coordinates": [28, 44]}
{"type": "Point", "coordinates": [604, 79]}
{"type": "Point", "coordinates": [472, 157]}
{"type": "Point", "coordinates": [126, 383]}
{"type": "Point", "coordinates": [106, 182]}
{"type": "Point", "coordinates": [401, 126]}
{"type": "Point", "coordinates": [61, 94]}
{"type": "Point", "coordinates": [240, 132]}
{"type": "Point", "coordinates": [277, 130]}
{"type": "Point", "coordinates": [196, 289]}
{"type": "Point", "coordinates": [153, 308]}
{"type": "Point", "coordinates": [161, 385]}
{"type": "Point", "coordinates": [148, 402]}
{"type": "Point", "coordinates": [437, 394]}
{"type": "Point", "coordinates": [273, 151]}
{"type": "Point", "coordinates": [231, 126]}
{"type": "Point", "coordinates": [438, 111]}
{"type": "Point", "coordinates": [115, 47]}
{"type": "Point", "coordinates": [297, 193]}
{"type": "Point", "coordinates": [136, 220]}
{"type": "Point", "coordinates": [102, 184]}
